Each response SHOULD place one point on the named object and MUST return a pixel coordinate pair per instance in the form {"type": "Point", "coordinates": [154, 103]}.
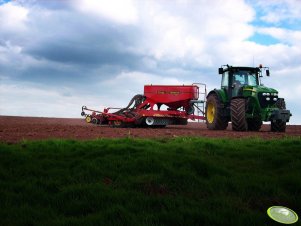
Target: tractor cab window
{"type": "Point", "coordinates": [252, 80]}
{"type": "Point", "coordinates": [241, 78]}
{"type": "Point", "coordinates": [225, 80]}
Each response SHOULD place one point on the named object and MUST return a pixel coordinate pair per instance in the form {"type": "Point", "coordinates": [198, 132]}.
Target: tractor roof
{"type": "Point", "coordinates": [237, 68]}
{"type": "Point", "coordinates": [228, 68]}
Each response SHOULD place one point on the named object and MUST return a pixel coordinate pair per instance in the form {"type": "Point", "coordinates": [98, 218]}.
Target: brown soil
{"type": "Point", "coordinates": [15, 129]}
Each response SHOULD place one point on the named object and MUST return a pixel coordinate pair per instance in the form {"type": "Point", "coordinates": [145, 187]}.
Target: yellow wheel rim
{"type": "Point", "coordinates": [210, 113]}
{"type": "Point", "coordinates": [88, 119]}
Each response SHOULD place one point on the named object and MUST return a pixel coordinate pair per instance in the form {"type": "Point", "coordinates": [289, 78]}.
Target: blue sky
{"type": "Point", "coordinates": [56, 56]}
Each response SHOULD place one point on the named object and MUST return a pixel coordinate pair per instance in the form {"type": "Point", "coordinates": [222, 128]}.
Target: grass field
{"type": "Point", "coordinates": [182, 181]}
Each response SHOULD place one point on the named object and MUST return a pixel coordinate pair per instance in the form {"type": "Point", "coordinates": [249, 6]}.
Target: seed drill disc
{"type": "Point", "coordinates": [282, 214]}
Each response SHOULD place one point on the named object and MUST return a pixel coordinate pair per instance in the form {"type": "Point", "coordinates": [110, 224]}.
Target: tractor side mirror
{"type": "Point", "coordinates": [220, 70]}
{"type": "Point", "coordinates": [267, 72]}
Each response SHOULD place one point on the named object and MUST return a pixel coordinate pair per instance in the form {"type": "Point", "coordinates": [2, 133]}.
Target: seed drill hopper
{"type": "Point", "coordinates": [160, 105]}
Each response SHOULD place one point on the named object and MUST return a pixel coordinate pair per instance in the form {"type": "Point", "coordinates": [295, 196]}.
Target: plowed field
{"type": "Point", "coordinates": [15, 129]}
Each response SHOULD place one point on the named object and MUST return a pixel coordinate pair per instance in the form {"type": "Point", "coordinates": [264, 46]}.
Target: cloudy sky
{"type": "Point", "coordinates": [57, 55]}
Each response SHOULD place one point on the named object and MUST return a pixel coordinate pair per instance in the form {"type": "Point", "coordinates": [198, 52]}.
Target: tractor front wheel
{"type": "Point", "coordinates": [238, 114]}
{"type": "Point", "coordinates": [214, 117]}
{"type": "Point", "coordinates": [278, 126]}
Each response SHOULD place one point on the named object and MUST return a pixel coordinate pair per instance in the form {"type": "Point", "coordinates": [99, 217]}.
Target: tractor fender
{"type": "Point", "coordinates": [217, 92]}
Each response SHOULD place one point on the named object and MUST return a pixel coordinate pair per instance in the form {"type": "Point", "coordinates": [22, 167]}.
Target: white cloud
{"type": "Point", "coordinates": [124, 11]}
{"type": "Point", "coordinates": [277, 11]}
{"type": "Point", "coordinates": [282, 34]}
{"type": "Point", "coordinates": [13, 17]}
{"type": "Point", "coordinates": [6, 50]}
{"type": "Point", "coordinates": [189, 31]}
{"type": "Point", "coordinates": [137, 78]}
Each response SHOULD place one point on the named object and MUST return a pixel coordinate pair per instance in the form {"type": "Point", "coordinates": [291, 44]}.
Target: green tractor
{"type": "Point", "coordinates": [245, 102]}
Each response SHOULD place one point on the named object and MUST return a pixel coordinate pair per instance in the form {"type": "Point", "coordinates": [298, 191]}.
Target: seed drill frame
{"type": "Point", "coordinates": [160, 105]}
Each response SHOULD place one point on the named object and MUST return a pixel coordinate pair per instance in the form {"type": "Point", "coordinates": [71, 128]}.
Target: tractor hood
{"type": "Point", "coordinates": [261, 89]}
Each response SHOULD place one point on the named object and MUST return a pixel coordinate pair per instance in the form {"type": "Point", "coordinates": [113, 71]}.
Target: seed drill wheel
{"type": "Point", "coordinates": [94, 120]}
{"type": "Point", "coordinates": [278, 125]}
{"type": "Point", "coordinates": [149, 121]}
{"type": "Point", "coordinates": [88, 118]}
{"type": "Point", "coordinates": [214, 117]}
{"type": "Point", "coordinates": [238, 114]}
{"type": "Point", "coordinates": [117, 123]}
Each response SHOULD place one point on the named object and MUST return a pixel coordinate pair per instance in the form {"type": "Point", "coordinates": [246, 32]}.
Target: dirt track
{"type": "Point", "coordinates": [15, 129]}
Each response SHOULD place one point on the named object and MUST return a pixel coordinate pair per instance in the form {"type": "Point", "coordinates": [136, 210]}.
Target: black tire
{"type": "Point", "coordinates": [180, 121]}
{"type": "Point", "coordinates": [94, 120]}
{"type": "Point", "coordinates": [150, 121]}
{"type": "Point", "coordinates": [254, 124]}
{"type": "Point", "coordinates": [238, 114]}
{"type": "Point", "coordinates": [278, 125]}
{"type": "Point", "coordinates": [213, 112]}
{"type": "Point", "coordinates": [117, 124]}
{"type": "Point", "coordinates": [103, 121]}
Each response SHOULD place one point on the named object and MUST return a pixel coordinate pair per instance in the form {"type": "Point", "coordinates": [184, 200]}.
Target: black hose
{"type": "Point", "coordinates": [138, 99]}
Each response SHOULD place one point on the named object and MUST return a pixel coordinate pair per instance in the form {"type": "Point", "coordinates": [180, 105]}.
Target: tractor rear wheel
{"type": "Point", "coordinates": [254, 124]}
{"type": "Point", "coordinates": [214, 117]}
{"type": "Point", "coordinates": [238, 114]}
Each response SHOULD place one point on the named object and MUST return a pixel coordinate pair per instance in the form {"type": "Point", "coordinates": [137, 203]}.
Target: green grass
{"type": "Point", "coordinates": [183, 181]}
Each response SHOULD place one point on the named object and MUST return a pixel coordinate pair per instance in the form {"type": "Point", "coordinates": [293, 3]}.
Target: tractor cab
{"type": "Point", "coordinates": [235, 79]}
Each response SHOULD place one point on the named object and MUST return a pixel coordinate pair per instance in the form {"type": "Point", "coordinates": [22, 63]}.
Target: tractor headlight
{"type": "Point", "coordinates": [268, 94]}
{"type": "Point", "coordinates": [267, 98]}
{"type": "Point", "coordinates": [264, 94]}
{"type": "Point", "coordinates": [274, 99]}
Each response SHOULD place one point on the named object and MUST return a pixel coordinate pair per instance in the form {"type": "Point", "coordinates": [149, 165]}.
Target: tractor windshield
{"type": "Point", "coordinates": [245, 78]}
